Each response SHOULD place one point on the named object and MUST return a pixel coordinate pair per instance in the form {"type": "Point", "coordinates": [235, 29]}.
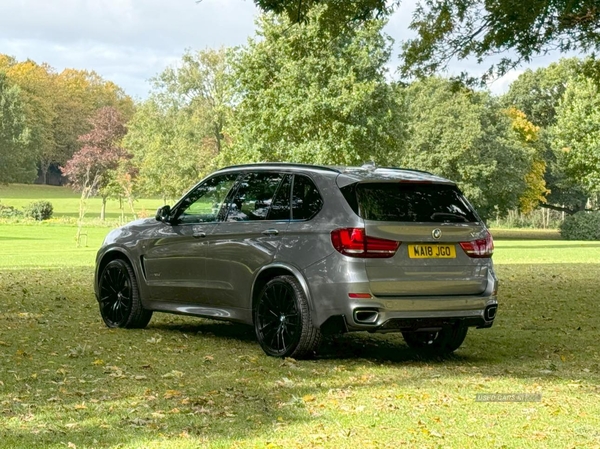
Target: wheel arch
{"type": "Point", "coordinates": [109, 256]}
{"type": "Point", "coordinates": [278, 269]}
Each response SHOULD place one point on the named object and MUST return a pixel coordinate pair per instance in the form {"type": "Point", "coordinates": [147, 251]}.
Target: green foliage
{"type": "Point", "coordinates": [17, 163]}
{"type": "Point", "coordinates": [581, 226]}
{"type": "Point", "coordinates": [538, 94]}
{"type": "Point", "coordinates": [339, 14]}
{"type": "Point", "coordinates": [39, 210]}
{"type": "Point", "coordinates": [461, 29]}
{"type": "Point", "coordinates": [576, 133]}
{"type": "Point", "coordinates": [9, 212]}
{"type": "Point", "coordinates": [466, 136]}
{"type": "Point", "coordinates": [178, 132]}
{"type": "Point", "coordinates": [200, 86]}
{"type": "Point", "coordinates": [165, 144]}
{"type": "Point", "coordinates": [310, 95]}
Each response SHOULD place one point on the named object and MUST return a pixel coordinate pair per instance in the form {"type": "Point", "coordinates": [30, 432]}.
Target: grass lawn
{"type": "Point", "coordinates": [68, 381]}
{"type": "Point", "coordinates": [66, 202]}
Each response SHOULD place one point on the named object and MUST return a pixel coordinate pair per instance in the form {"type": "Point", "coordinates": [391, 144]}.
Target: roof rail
{"type": "Point", "coordinates": [283, 165]}
{"type": "Point", "coordinates": [408, 169]}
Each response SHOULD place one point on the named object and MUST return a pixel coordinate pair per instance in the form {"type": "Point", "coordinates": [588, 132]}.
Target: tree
{"type": "Point", "coordinates": [178, 132]}
{"type": "Point", "coordinates": [528, 134]}
{"type": "Point", "coordinates": [460, 29]}
{"type": "Point", "coordinates": [37, 87]}
{"type": "Point", "coordinates": [309, 95]}
{"type": "Point", "coordinates": [576, 134]}
{"type": "Point", "coordinates": [339, 13]}
{"type": "Point", "coordinates": [58, 107]}
{"type": "Point", "coordinates": [200, 84]}
{"type": "Point", "coordinates": [17, 164]}
{"type": "Point", "coordinates": [466, 136]}
{"type": "Point", "coordinates": [167, 150]}
{"type": "Point", "coordinates": [79, 94]}
{"type": "Point", "coordinates": [538, 94]}
{"type": "Point", "coordinates": [448, 29]}
{"type": "Point", "coordinates": [91, 167]}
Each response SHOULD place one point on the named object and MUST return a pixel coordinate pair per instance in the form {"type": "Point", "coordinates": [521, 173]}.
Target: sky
{"type": "Point", "coordinates": [130, 41]}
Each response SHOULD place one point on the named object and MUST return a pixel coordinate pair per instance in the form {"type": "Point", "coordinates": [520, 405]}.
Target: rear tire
{"type": "Point", "coordinates": [441, 343]}
{"type": "Point", "coordinates": [282, 320]}
{"type": "Point", "coordinates": [120, 304]}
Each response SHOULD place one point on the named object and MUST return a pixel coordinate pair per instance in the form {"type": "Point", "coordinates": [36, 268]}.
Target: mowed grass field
{"type": "Point", "coordinates": [66, 202]}
{"type": "Point", "coordinates": [68, 381]}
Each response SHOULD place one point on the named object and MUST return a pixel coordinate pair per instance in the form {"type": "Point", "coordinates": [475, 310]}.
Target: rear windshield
{"type": "Point", "coordinates": [409, 202]}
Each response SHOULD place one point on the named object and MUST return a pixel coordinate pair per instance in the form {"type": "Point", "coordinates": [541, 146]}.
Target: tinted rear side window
{"type": "Point", "coordinates": [280, 207]}
{"type": "Point", "coordinates": [409, 202]}
{"type": "Point", "coordinates": [306, 200]}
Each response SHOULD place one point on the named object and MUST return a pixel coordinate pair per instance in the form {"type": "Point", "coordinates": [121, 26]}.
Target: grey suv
{"type": "Point", "coordinates": [299, 251]}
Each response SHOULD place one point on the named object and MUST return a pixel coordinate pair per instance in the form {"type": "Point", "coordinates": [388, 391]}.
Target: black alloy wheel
{"type": "Point", "coordinates": [440, 343]}
{"type": "Point", "coordinates": [119, 301]}
{"type": "Point", "coordinates": [282, 320]}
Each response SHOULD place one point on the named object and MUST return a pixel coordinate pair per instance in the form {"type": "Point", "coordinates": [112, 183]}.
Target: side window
{"type": "Point", "coordinates": [306, 200]}
{"type": "Point", "coordinates": [280, 208]}
{"type": "Point", "coordinates": [205, 203]}
{"type": "Point", "coordinates": [254, 196]}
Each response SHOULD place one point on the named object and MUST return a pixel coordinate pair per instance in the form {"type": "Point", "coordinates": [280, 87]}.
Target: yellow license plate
{"type": "Point", "coordinates": [424, 251]}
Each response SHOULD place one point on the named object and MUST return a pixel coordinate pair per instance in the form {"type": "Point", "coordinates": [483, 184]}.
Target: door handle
{"type": "Point", "coordinates": [199, 235]}
{"type": "Point", "coordinates": [270, 232]}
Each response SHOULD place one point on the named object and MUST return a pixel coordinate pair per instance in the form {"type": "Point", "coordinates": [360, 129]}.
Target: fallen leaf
{"type": "Point", "coordinates": [172, 394]}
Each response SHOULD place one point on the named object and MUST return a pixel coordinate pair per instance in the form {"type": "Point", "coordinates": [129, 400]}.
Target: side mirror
{"type": "Point", "coordinates": [164, 214]}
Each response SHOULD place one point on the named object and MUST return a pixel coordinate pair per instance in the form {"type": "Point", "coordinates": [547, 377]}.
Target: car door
{"type": "Point", "coordinates": [248, 238]}
{"type": "Point", "coordinates": [175, 260]}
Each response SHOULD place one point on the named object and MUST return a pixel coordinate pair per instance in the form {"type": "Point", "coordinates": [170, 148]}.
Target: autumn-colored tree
{"type": "Point", "coordinates": [536, 191]}
{"type": "Point", "coordinates": [58, 107]}
{"type": "Point", "coordinates": [90, 169]}
{"type": "Point", "coordinates": [79, 94]}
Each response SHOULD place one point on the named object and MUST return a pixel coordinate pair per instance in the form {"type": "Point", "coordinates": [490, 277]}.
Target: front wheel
{"type": "Point", "coordinates": [440, 343]}
{"type": "Point", "coordinates": [282, 320]}
{"type": "Point", "coordinates": [120, 304]}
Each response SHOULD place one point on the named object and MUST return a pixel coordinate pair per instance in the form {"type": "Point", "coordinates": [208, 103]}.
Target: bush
{"type": "Point", "coordinates": [39, 210]}
{"type": "Point", "coordinates": [9, 212]}
{"type": "Point", "coordinates": [581, 226]}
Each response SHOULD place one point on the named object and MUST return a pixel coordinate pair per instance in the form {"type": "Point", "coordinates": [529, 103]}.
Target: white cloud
{"type": "Point", "coordinates": [126, 41]}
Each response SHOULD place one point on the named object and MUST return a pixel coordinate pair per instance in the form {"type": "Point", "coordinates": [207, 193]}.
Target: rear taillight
{"type": "Point", "coordinates": [354, 243]}
{"type": "Point", "coordinates": [480, 247]}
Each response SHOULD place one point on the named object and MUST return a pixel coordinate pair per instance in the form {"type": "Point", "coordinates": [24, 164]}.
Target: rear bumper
{"type": "Point", "coordinates": [383, 320]}
{"type": "Point", "coordinates": [333, 301]}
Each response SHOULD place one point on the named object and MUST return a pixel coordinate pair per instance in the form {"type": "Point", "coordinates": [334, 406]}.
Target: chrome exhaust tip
{"type": "Point", "coordinates": [366, 316]}
{"type": "Point", "coordinates": [490, 312]}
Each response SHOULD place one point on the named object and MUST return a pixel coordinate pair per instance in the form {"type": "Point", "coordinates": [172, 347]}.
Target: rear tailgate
{"type": "Point", "coordinates": [424, 265]}
{"type": "Point", "coordinates": [431, 220]}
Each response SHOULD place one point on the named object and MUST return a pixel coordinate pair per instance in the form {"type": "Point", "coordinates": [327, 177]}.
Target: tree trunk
{"type": "Point", "coordinates": [44, 166]}
{"type": "Point", "coordinates": [131, 206]}
{"type": "Point", "coordinates": [103, 210]}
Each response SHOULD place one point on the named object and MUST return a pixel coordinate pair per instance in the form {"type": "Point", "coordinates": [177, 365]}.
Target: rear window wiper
{"type": "Point", "coordinates": [449, 215]}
